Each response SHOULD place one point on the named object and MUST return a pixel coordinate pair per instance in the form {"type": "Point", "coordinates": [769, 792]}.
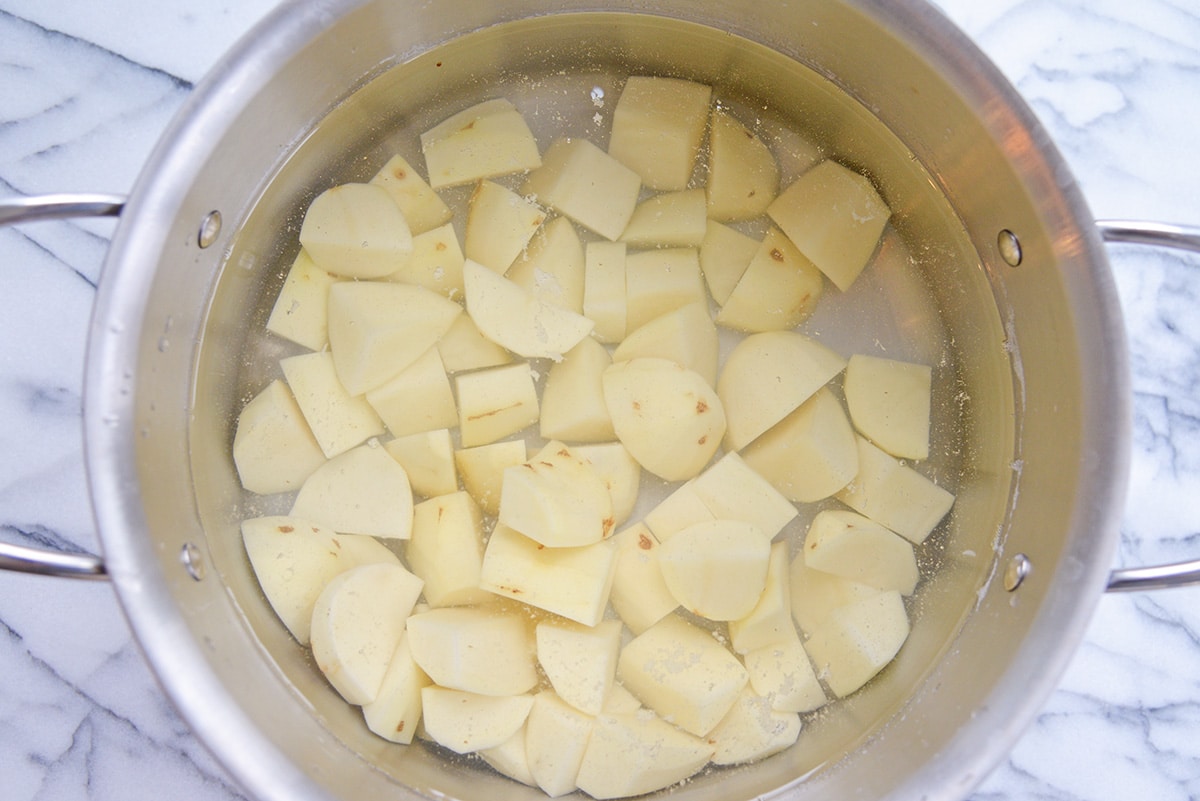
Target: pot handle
{"type": "Point", "coordinates": [32, 209]}
{"type": "Point", "coordinates": [1179, 237]}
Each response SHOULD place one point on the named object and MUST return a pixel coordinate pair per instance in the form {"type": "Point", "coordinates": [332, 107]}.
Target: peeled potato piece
{"type": "Point", "coordinates": [743, 176]}
{"type": "Point", "coordinates": [416, 399]}
{"type": "Point", "coordinates": [515, 318]}
{"type": "Point", "coordinates": [619, 471]}
{"type": "Point", "coordinates": [500, 224]}
{"type": "Point", "coordinates": [895, 495]}
{"type": "Point", "coordinates": [725, 253]}
{"type": "Point", "coordinates": [835, 217]}
{"type": "Point", "coordinates": [640, 595]}
{"type": "Point", "coordinates": [846, 543]}
{"type": "Point", "coordinates": [436, 263]}
{"type": "Point", "coordinates": [632, 754]}
{"type": "Point", "coordinates": [274, 450]}
{"type": "Point", "coordinates": [782, 673]}
{"type": "Point", "coordinates": [582, 182]}
{"type": "Point", "coordinates": [604, 289]}
{"type": "Point", "coordinates": [657, 129]}
{"type": "Point", "coordinates": [465, 722]}
{"type": "Point", "coordinates": [552, 266]}
{"type": "Point", "coordinates": [573, 400]}
{"type": "Point", "coordinates": [475, 649]}
{"type": "Point", "coordinates": [716, 570]}
{"type": "Point", "coordinates": [396, 710]}
{"type": "Point", "coordinates": [510, 758]}
{"type": "Point", "coordinates": [770, 621]}
{"type": "Point", "coordinates": [667, 416]}
{"type": "Point", "coordinates": [768, 375]}
{"type": "Point", "coordinates": [294, 559]}
{"type": "Point", "coordinates": [495, 402]}
{"type": "Point", "coordinates": [681, 672]}
{"type": "Point", "coordinates": [356, 231]}
{"type": "Point", "coordinates": [731, 490]}
{"type": "Point", "coordinates": [556, 736]}
{"type": "Point", "coordinates": [579, 660]}
{"type": "Point", "coordinates": [486, 140]}
{"type": "Point", "coordinates": [686, 336]}
{"type": "Point", "coordinates": [682, 508]}
{"type": "Point", "coordinates": [482, 470]}
{"type": "Point", "coordinates": [858, 640]}
{"type": "Point", "coordinates": [889, 403]}
{"type": "Point", "coordinates": [463, 347]}
{"type": "Point", "coordinates": [428, 458]}
{"type": "Point", "coordinates": [556, 499]}
{"type": "Point", "coordinates": [338, 420]}
{"type": "Point", "coordinates": [300, 313]}
{"type": "Point", "coordinates": [815, 594]}
{"type": "Point", "coordinates": [752, 730]}
{"type": "Point", "coordinates": [659, 281]}
{"type": "Point", "coordinates": [423, 208]}
{"type": "Point", "coordinates": [777, 291]}
{"type": "Point", "coordinates": [362, 491]}
{"type": "Point", "coordinates": [446, 550]}
{"type": "Point", "coordinates": [358, 620]}
{"type": "Point", "coordinates": [671, 219]}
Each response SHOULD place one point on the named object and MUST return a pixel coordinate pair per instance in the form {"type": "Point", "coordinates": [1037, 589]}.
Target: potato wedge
{"type": "Point", "coordinates": [582, 182]}
{"type": "Point", "coordinates": [500, 224]}
{"type": "Point", "coordinates": [274, 450]}
{"type": "Point", "coordinates": [361, 491]}
{"type": "Point", "coordinates": [716, 570]}
{"type": "Point", "coordinates": [889, 403]}
{"type": "Point", "coordinates": [657, 128]}
{"type": "Point", "coordinates": [356, 231]}
{"type": "Point", "coordinates": [487, 140]}
{"type": "Point", "coordinates": [743, 176]}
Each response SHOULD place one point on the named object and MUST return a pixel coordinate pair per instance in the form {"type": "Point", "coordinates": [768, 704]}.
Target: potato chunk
{"type": "Point", "coordinates": [338, 420]}
{"type": "Point", "coordinates": [686, 336]}
{"type": "Point", "coordinates": [573, 399]}
{"type": "Point", "coordinates": [417, 399]}
{"type": "Point", "coordinates": [777, 291]}
{"type": "Point", "coordinates": [475, 649]}
{"type": "Point", "coordinates": [681, 672]}
{"type": "Point", "coordinates": [446, 550]}
{"type": "Point", "coordinates": [640, 595]}
{"type": "Point", "coordinates": [579, 660]}
{"type": "Point", "coordinates": [659, 281]}
{"type": "Point", "coordinates": [716, 570]}
{"type": "Point", "coordinates": [484, 141]}
{"type": "Point", "coordinates": [731, 490]}
{"type": "Point", "coordinates": [300, 313]}
{"type": "Point", "coordinates": [768, 375]}
{"type": "Point", "coordinates": [782, 673]}
{"type": "Point", "coordinates": [657, 129]}
{"type": "Point", "coordinates": [552, 266]}
{"type": "Point", "coordinates": [356, 231]}
{"type": "Point", "coordinates": [428, 458]}
{"type": "Point", "coordinates": [889, 403]}
{"type": "Point", "coordinates": [743, 176]}
{"type": "Point", "coordinates": [604, 289]}
{"type": "Point", "coordinates": [436, 263]}
{"type": "Point", "coordinates": [495, 402]}
{"type": "Point", "coordinates": [482, 469]}
{"type": "Point", "coordinates": [670, 219]}
{"type": "Point", "coordinates": [770, 621]}
{"type": "Point", "coordinates": [667, 416]}
{"type": "Point", "coordinates": [556, 736]}
{"type": "Point", "coordinates": [361, 491]}
{"type": "Point", "coordinates": [619, 471]}
{"type": "Point", "coordinates": [423, 208]}
{"type": "Point", "coordinates": [274, 450]}
{"type": "Point", "coordinates": [396, 710]}
{"type": "Point", "coordinates": [895, 495]}
{"type": "Point", "coordinates": [858, 640]}
{"type": "Point", "coordinates": [632, 754]}
{"type": "Point", "coordinates": [556, 499]}
{"type": "Point", "coordinates": [500, 224]}
{"type": "Point", "coordinates": [582, 182]}
{"type": "Point", "coordinates": [835, 217]}
{"type": "Point", "coordinates": [515, 318]}
{"type": "Point", "coordinates": [752, 730]}
{"type": "Point", "coordinates": [725, 253]}
{"type": "Point", "coordinates": [847, 544]}
{"type": "Point", "coordinates": [465, 722]}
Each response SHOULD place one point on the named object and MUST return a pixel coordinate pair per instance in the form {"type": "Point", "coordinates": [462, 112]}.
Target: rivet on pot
{"type": "Point", "coordinates": [1010, 247]}
{"type": "Point", "coordinates": [210, 228]}
{"type": "Point", "coordinates": [1016, 571]}
{"type": "Point", "coordinates": [193, 561]}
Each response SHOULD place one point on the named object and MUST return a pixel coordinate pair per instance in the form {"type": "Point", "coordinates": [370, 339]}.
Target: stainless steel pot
{"type": "Point", "coordinates": [998, 270]}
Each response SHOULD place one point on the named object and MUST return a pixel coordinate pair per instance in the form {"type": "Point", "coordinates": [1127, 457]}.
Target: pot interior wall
{"type": "Point", "coordinates": [935, 294]}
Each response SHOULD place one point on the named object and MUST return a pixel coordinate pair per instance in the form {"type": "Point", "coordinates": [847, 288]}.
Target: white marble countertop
{"type": "Point", "coordinates": [87, 87]}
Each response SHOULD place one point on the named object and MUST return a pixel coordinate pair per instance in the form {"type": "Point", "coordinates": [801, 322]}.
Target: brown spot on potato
{"type": "Point", "coordinates": [608, 526]}
{"type": "Point", "coordinates": [399, 174]}
{"type": "Point", "coordinates": [440, 246]}
{"type": "Point", "coordinates": [702, 440]}
{"type": "Point", "coordinates": [400, 727]}
{"type": "Point", "coordinates": [776, 254]}
{"type": "Point", "coordinates": [286, 529]}
{"type": "Point", "coordinates": [701, 407]}
{"type": "Point", "coordinates": [644, 542]}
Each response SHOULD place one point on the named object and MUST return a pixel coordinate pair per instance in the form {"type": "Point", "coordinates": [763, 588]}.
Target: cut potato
{"type": "Point", "coordinates": [500, 224]}
{"type": "Point", "coordinates": [300, 313]}
{"type": "Point", "coordinates": [782, 673]}
{"type": "Point", "coordinates": [770, 621]}
{"type": "Point", "coordinates": [294, 559]}
{"type": "Point", "coordinates": [510, 758]}
{"type": "Point", "coordinates": [556, 736]}
{"type": "Point", "coordinates": [417, 399]}
{"type": "Point", "coordinates": [495, 402]}
{"type": "Point", "coordinates": [377, 329]}
{"type": "Point", "coordinates": [556, 499]}
{"type": "Point", "coordinates": [858, 640]}
{"type": "Point", "coordinates": [571, 582]}
{"type": "Point", "coordinates": [889, 403]}
{"type": "Point", "coordinates": [620, 473]}
{"type": "Point", "coordinates": [777, 291]}
{"type": "Point", "coordinates": [446, 550]}
{"type": "Point", "coordinates": [436, 263]}
{"type": "Point", "coordinates": [659, 281]}
{"type": "Point", "coordinates": [640, 595]}
{"type": "Point", "coordinates": [463, 347]}
{"type": "Point", "coordinates": [810, 454]}
{"type": "Point", "coordinates": [657, 129]}
{"type": "Point", "coordinates": [573, 405]}
{"type": "Point", "coordinates": [274, 450]}
{"type": "Point", "coordinates": [632, 754]}
{"type": "Point", "coordinates": [752, 730]}
{"type": "Point", "coordinates": [396, 710]}
{"type": "Point", "coordinates": [716, 570]}
{"type": "Point", "coordinates": [725, 253]}
{"type": "Point", "coordinates": [895, 495]}
{"type": "Point", "coordinates": [361, 491]}
{"type": "Point", "coordinates": [580, 661]}
{"type": "Point", "coordinates": [338, 420]}
{"type": "Point", "coordinates": [621, 702]}
{"type": "Point", "coordinates": [352, 640]}
{"type": "Point", "coordinates": [487, 140]}
{"type": "Point", "coordinates": [768, 375]}
{"type": "Point", "coordinates": [465, 722]}
{"type": "Point", "coordinates": [835, 217]}
{"type": "Point", "coordinates": [513, 317]}
{"type": "Point", "coordinates": [677, 511]}
{"type": "Point", "coordinates": [743, 176]}
{"type": "Point", "coordinates": [667, 416]}
{"type": "Point", "coordinates": [475, 649]}
{"type": "Point", "coordinates": [356, 231]}
{"type": "Point", "coordinates": [428, 459]}
{"type": "Point", "coordinates": [552, 267]}
{"type": "Point", "coordinates": [582, 182]}
{"type": "Point", "coordinates": [815, 594]}
{"type": "Point", "coordinates": [423, 208]}
{"type": "Point", "coordinates": [604, 289]}
{"type": "Point", "coordinates": [685, 336]}
{"type": "Point", "coordinates": [733, 491]}
{"type": "Point", "coordinates": [681, 672]}
{"type": "Point", "coordinates": [847, 544]}
{"type": "Point", "coordinates": [671, 219]}
{"type": "Point", "coordinates": [482, 470]}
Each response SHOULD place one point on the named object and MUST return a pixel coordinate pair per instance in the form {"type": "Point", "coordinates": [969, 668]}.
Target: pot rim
{"type": "Point", "coordinates": [180, 662]}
